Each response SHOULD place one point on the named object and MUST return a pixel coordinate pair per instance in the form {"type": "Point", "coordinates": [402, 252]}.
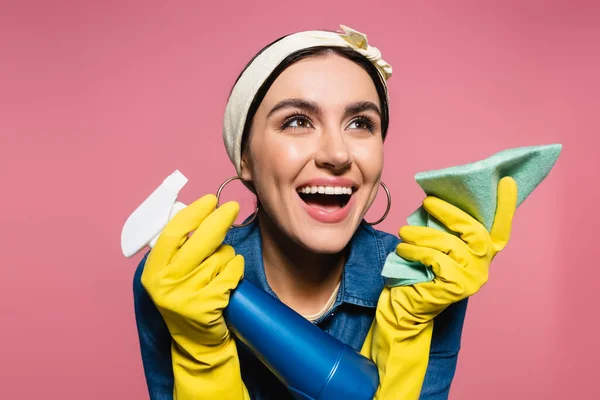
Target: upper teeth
{"type": "Point", "coordinates": [325, 190]}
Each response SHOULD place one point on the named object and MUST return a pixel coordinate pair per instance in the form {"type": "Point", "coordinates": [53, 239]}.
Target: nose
{"type": "Point", "coordinates": [333, 152]}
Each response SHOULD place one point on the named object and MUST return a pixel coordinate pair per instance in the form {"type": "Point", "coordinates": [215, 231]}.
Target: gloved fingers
{"type": "Point", "coordinates": [175, 234]}
{"type": "Point", "coordinates": [505, 211]}
{"type": "Point", "coordinates": [202, 304]}
{"type": "Point", "coordinates": [441, 264]}
{"type": "Point", "coordinates": [455, 219]}
{"type": "Point", "coordinates": [436, 239]}
{"type": "Point", "coordinates": [198, 278]}
{"type": "Point", "coordinates": [206, 239]}
{"type": "Point", "coordinates": [229, 277]}
{"type": "Point", "coordinates": [452, 282]}
{"type": "Point", "coordinates": [218, 290]}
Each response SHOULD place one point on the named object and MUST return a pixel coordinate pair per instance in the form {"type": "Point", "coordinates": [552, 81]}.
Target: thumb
{"type": "Point", "coordinates": [505, 211]}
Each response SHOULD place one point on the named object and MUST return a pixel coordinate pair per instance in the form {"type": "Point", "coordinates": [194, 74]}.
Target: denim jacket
{"type": "Point", "coordinates": [348, 321]}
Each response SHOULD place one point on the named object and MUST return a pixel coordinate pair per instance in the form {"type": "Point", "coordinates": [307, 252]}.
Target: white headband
{"type": "Point", "coordinates": [263, 65]}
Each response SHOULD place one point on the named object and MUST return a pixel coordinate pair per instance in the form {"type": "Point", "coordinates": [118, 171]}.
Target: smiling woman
{"type": "Point", "coordinates": [305, 127]}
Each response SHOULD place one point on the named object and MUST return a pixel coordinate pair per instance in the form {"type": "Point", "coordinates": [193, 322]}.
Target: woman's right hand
{"type": "Point", "coordinates": [190, 278]}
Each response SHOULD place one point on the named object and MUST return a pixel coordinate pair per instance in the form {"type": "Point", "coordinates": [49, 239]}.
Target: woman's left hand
{"type": "Point", "coordinates": [400, 337]}
{"type": "Point", "coordinates": [460, 264]}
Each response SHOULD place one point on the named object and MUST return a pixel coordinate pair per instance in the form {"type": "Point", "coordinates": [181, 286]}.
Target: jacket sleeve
{"type": "Point", "coordinates": [443, 356]}
{"type": "Point", "coordinates": [154, 340]}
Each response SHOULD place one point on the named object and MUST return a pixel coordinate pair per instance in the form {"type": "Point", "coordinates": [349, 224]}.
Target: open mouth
{"type": "Point", "coordinates": [326, 198]}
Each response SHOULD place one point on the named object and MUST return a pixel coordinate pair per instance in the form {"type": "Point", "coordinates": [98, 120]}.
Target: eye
{"type": "Point", "coordinates": [296, 122]}
{"type": "Point", "coordinates": [363, 123]}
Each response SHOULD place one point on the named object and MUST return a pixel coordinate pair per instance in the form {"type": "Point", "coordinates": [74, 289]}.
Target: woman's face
{"type": "Point", "coordinates": [315, 151]}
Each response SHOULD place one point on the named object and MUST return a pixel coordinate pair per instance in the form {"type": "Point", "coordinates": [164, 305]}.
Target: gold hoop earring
{"type": "Point", "coordinates": [233, 178]}
{"type": "Point", "coordinates": [389, 205]}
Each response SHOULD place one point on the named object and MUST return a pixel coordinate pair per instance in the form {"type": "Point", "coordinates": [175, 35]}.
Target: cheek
{"type": "Point", "coordinates": [280, 160]}
{"type": "Point", "coordinates": [369, 159]}
{"type": "Point", "coordinates": [291, 152]}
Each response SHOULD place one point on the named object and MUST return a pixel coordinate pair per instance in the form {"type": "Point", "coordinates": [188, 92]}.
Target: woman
{"type": "Point", "coordinates": [305, 126]}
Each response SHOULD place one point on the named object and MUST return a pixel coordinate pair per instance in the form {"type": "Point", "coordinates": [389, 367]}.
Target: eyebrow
{"type": "Point", "coordinates": [313, 108]}
{"type": "Point", "coordinates": [361, 106]}
{"type": "Point", "coordinates": [296, 103]}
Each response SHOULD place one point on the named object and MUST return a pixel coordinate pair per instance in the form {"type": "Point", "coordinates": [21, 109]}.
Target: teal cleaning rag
{"type": "Point", "coordinates": [472, 188]}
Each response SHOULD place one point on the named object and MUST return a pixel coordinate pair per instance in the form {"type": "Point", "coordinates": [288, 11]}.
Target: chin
{"type": "Point", "coordinates": [326, 240]}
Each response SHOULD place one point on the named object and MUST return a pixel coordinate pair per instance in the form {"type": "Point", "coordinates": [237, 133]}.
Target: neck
{"type": "Point", "coordinates": [302, 279]}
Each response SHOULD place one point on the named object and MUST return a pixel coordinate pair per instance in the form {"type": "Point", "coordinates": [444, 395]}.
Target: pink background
{"type": "Point", "coordinates": [100, 101]}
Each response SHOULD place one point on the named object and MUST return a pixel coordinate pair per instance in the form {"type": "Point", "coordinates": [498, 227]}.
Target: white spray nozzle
{"type": "Point", "coordinates": [145, 224]}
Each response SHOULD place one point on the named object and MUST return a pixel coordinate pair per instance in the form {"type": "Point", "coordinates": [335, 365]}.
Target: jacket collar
{"type": "Point", "coordinates": [361, 284]}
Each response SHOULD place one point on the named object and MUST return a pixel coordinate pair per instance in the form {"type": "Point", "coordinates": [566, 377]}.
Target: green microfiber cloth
{"type": "Point", "coordinates": [473, 189]}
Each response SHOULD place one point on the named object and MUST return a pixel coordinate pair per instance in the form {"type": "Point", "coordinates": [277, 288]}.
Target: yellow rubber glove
{"type": "Point", "coordinates": [190, 280]}
{"type": "Point", "coordinates": [400, 336]}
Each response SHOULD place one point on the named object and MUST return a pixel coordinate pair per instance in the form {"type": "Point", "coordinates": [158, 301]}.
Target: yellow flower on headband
{"type": "Point", "coordinates": [358, 41]}
{"type": "Point", "coordinates": [355, 38]}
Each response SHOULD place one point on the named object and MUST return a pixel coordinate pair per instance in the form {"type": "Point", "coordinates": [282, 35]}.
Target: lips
{"type": "Point", "coordinates": [327, 200]}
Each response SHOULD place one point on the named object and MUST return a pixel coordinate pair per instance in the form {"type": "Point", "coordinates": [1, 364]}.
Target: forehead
{"type": "Point", "coordinates": [328, 79]}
